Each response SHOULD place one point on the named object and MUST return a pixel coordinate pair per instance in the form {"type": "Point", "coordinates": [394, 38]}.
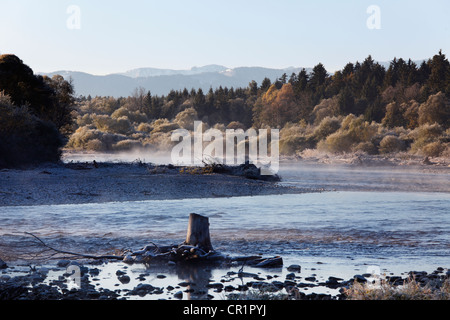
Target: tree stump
{"type": "Point", "coordinates": [198, 233]}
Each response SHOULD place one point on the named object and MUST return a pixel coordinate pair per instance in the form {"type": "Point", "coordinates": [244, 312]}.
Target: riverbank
{"type": "Point", "coordinates": [92, 182]}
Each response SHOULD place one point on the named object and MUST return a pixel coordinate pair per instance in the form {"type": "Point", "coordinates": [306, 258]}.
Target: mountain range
{"type": "Point", "coordinates": [162, 81]}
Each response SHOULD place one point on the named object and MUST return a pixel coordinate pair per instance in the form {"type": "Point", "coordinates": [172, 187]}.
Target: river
{"type": "Point", "coordinates": [396, 221]}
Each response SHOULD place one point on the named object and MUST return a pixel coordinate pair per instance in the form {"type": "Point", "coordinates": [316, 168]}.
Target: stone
{"type": "Point", "coordinates": [141, 290]}
{"type": "Point", "coordinates": [294, 268]}
{"type": "Point", "coordinates": [3, 265]}
{"type": "Point", "coordinates": [120, 273]}
{"type": "Point", "coordinates": [215, 285]}
{"type": "Point", "coordinates": [178, 295]}
{"type": "Point", "coordinates": [360, 278]}
{"type": "Point", "coordinates": [94, 271]}
{"type": "Point", "coordinates": [63, 263]}
{"type": "Point", "coordinates": [229, 288]}
{"type": "Point", "coordinates": [288, 283]}
{"type": "Point", "coordinates": [334, 279]}
{"type": "Point", "coordinates": [290, 276]}
{"type": "Point", "coordinates": [124, 279]}
{"type": "Point", "coordinates": [184, 284]}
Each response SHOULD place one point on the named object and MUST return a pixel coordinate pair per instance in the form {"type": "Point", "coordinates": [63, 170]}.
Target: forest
{"type": "Point", "coordinates": [364, 107]}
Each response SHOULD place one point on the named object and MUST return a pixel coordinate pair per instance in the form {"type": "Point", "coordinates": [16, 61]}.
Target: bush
{"type": "Point", "coordinates": [353, 131]}
{"type": "Point", "coordinates": [164, 126]}
{"type": "Point", "coordinates": [367, 147]}
{"type": "Point", "coordinates": [326, 108]}
{"type": "Point", "coordinates": [126, 145]}
{"type": "Point", "coordinates": [391, 144]}
{"type": "Point", "coordinates": [435, 110]}
{"type": "Point", "coordinates": [425, 135]}
{"type": "Point", "coordinates": [26, 139]}
{"type": "Point", "coordinates": [145, 127]}
{"type": "Point", "coordinates": [410, 290]}
{"type": "Point", "coordinates": [338, 142]}
{"type": "Point", "coordinates": [186, 118]}
{"type": "Point", "coordinates": [236, 125]}
{"type": "Point", "coordinates": [326, 127]}
{"type": "Point", "coordinates": [95, 145]}
{"type": "Point", "coordinates": [106, 123]}
{"type": "Point", "coordinates": [433, 149]}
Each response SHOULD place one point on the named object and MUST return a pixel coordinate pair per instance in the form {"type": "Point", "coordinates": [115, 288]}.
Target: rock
{"type": "Point", "coordinates": [290, 276]}
{"type": "Point", "coordinates": [359, 278]}
{"type": "Point", "coordinates": [184, 284]}
{"type": "Point", "coordinates": [289, 283]}
{"type": "Point", "coordinates": [124, 279]}
{"type": "Point", "coordinates": [3, 265]}
{"type": "Point", "coordinates": [94, 272]}
{"type": "Point", "coordinates": [278, 284]}
{"type": "Point", "coordinates": [305, 285]}
{"type": "Point", "coordinates": [294, 268]}
{"type": "Point", "coordinates": [128, 258]}
{"type": "Point", "coordinates": [395, 280]}
{"type": "Point", "coordinates": [43, 271]}
{"type": "Point", "coordinates": [178, 295]}
{"type": "Point", "coordinates": [5, 277]}
{"type": "Point", "coordinates": [141, 290]}
{"type": "Point", "coordinates": [334, 279]}
{"type": "Point", "coordinates": [215, 285]}
{"type": "Point", "coordinates": [229, 288]}
{"type": "Point", "coordinates": [312, 279]}
{"type": "Point", "coordinates": [242, 288]}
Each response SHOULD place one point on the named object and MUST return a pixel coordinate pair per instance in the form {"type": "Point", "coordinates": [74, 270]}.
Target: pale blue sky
{"type": "Point", "coordinates": [116, 36]}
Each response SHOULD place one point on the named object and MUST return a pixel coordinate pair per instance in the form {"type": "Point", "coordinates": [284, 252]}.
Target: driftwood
{"type": "Point", "coordinates": [196, 248]}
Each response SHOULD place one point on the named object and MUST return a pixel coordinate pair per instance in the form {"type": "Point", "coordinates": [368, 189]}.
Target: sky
{"type": "Point", "coordinates": [103, 37]}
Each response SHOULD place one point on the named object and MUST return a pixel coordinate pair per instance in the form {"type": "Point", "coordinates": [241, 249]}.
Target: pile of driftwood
{"type": "Point", "coordinates": [195, 249]}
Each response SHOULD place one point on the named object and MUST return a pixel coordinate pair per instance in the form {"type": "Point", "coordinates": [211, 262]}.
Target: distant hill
{"type": "Point", "coordinates": [161, 81]}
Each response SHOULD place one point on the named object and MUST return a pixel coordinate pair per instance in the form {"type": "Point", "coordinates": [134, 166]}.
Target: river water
{"type": "Point", "coordinates": [397, 220]}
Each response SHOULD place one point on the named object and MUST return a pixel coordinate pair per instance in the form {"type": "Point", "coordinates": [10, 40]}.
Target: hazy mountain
{"type": "Point", "coordinates": [153, 72]}
{"type": "Point", "coordinates": [161, 81]}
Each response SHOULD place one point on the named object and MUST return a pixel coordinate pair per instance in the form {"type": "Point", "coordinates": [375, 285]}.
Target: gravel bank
{"type": "Point", "coordinates": [112, 182]}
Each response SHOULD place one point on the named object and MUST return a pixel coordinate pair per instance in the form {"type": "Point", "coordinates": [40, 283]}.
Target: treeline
{"type": "Point", "coordinates": [363, 107]}
{"type": "Point", "coordinates": [35, 114]}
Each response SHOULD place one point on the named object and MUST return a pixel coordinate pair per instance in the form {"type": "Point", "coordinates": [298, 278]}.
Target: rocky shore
{"type": "Point", "coordinates": [55, 283]}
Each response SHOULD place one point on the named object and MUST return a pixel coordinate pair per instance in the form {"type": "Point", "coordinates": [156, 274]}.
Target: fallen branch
{"type": "Point", "coordinates": [107, 257]}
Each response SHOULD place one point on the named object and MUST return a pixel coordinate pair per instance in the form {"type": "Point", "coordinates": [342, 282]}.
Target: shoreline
{"type": "Point", "coordinates": [100, 280]}
{"type": "Point", "coordinates": [80, 183]}
{"type": "Point", "coordinates": [84, 182]}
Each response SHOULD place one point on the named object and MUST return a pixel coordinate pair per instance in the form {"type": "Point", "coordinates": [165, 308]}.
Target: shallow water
{"type": "Point", "coordinates": [395, 226]}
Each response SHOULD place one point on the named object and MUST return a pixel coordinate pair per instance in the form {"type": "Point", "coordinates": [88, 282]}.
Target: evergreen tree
{"type": "Point", "coordinates": [265, 85]}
